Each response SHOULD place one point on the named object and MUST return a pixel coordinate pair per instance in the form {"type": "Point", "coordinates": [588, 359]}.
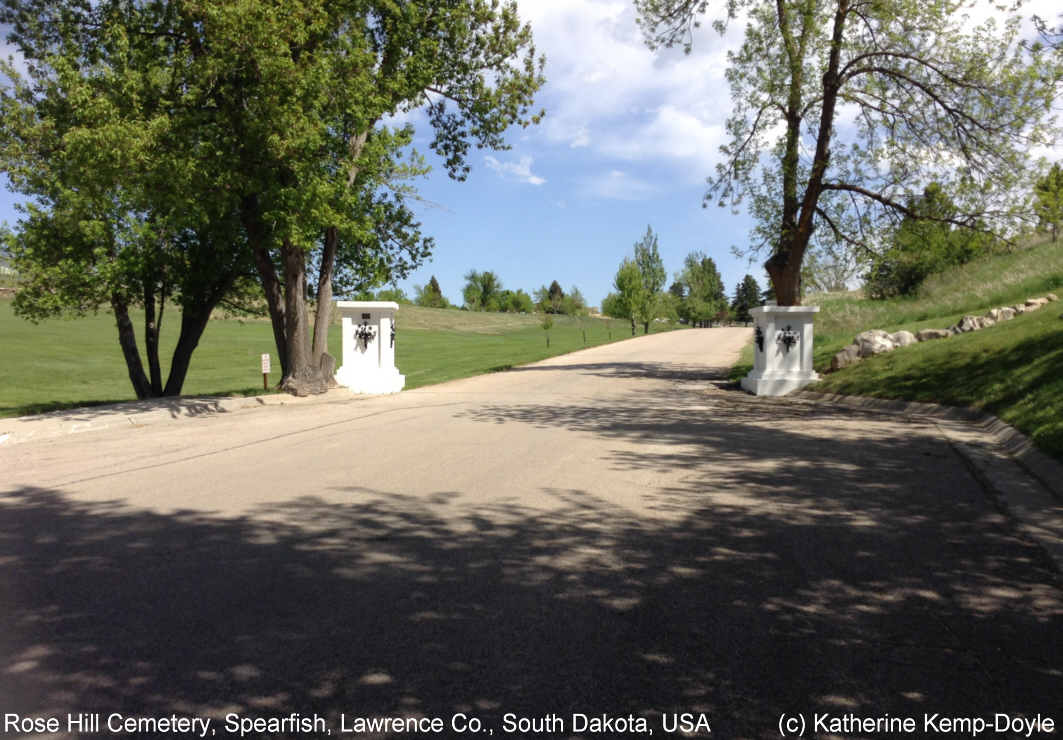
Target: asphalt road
{"type": "Point", "coordinates": [612, 532]}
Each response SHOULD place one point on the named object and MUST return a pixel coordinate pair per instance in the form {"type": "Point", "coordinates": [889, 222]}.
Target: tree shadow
{"type": "Point", "coordinates": [810, 559]}
{"type": "Point", "coordinates": [423, 606]}
{"type": "Point", "coordinates": [640, 370]}
{"type": "Point", "coordinates": [88, 411]}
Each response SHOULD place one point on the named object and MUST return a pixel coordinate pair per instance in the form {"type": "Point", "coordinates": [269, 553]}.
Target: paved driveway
{"type": "Point", "coordinates": [604, 533]}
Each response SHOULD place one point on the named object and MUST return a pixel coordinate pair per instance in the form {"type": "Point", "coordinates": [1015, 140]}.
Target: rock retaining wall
{"type": "Point", "coordinates": [877, 341]}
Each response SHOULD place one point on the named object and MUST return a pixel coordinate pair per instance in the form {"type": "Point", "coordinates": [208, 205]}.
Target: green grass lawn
{"type": "Point", "coordinates": [1013, 370]}
{"type": "Point", "coordinates": [64, 363]}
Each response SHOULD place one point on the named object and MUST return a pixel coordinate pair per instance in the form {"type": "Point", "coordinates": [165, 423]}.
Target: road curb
{"type": "Point", "coordinates": [136, 414]}
{"type": "Point", "coordinates": [1025, 482]}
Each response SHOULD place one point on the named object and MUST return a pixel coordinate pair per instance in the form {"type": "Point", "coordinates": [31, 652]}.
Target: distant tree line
{"type": "Point", "coordinates": [483, 291]}
{"type": "Point", "coordinates": [696, 295]}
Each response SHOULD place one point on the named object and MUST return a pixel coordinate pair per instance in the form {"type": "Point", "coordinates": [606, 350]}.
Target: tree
{"type": "Point", "coordinates": [515, 301]}
{"type": "Point", "coordinates": [747, 296]}
{"type": "Point", "coordinates": [827, 269]}
{"type": "Point", "coordinates": [394, 294]}
{"type": "Point", "coordinates": [631, 295]}
{"type": "Point", "coordinates": [923, 93]}
{"type": "Point", "coordinates": [921, 245]}
{"type": "Point", "coordinates": [123, 211]}
{"type": "Point", "coordinates": [702, 289]}
{"type": "Point", "coordinates": [430, 296]}
{"type": "Point", "coordinates": [554, 298]}
{"type": "Point", "coordinates": [483, 291]}
{"type": "Point", "coordinates": [287, 106]}
{"type": "Point", "coordinates": [574, 304]}
{"type": "Point", "coordinates": [613, 306]}
{"type": "Point", "coordinates": [652, 276]}
{"type": "Point", "coordinates": [326, 76]}
{"type": "Point", "coordinates": [1048, 194]}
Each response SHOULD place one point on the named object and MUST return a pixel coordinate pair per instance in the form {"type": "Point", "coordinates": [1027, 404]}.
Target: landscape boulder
{"type": "Point", "coordinates": [1032, 304]}
{"type": "Point", "coordinates": [1052, 297]}
{"type": "Point", "coordinates": [968, 323]}
{"type": "Point", "coordinates": [925, 335]}
{"type": "Point", "coordinates": [903, 338]}
{"type": "Point", "coordinates": [1006, 314]}
{"type": "Point", "coordinates": [850, 355]}
{"type": "Point", "coordinates": [873, 342]}
{"type": "Point", "coordinates": [994, 313]}
{"type": "Point", "coordinates": [1019, 308]}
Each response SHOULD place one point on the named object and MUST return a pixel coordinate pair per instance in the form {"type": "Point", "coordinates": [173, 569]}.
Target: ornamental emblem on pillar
{"type": "Point", "coordinates": [787, 337]}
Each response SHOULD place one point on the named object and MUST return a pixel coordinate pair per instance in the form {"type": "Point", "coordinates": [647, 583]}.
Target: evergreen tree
{"type": "Point", "coordinates": [747, 296]}
{"type": "Point", "coordinates": [1048, 193]}
{"type": "Point", "coordinates": [430, 296]}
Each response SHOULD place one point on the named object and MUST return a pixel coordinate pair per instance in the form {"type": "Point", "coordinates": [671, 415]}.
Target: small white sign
{"type": "Point", "coordinates": [265, 363]}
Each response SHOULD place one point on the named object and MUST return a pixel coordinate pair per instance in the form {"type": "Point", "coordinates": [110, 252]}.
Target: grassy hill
{"type": "Point", "coordinates": [1013, 369]}
{"type": "Point", "coordinates": [64, 363]}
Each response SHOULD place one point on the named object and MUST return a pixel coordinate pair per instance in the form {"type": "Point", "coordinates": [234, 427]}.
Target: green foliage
{"type": "Point", "coordinates": [275, 113]}
{"type": "Point", "coordinates": [747, 296]}
{"type": "Point", "coordinates": [483, 291]}
{"type": "Point", "coordinates": [702, 293]}
{"type": "Point", "coordinates": [554, 300]}
{"type": "Point", "coordinates": [516, 301]}
{"type": "Point", "coordinates": [925, 242]}
{"type": "Point", "coordinates": [1048, 196]}
{"type": "Point", "coordinates": [394, 293]}
{"type": "Point", "coordinates": [614, 306]}
{"type": "Point", "coordinates": [123, 210]}
{"type": "Point", "coordinates": [550, 299]}
{"type": "Point", "coordinates": [648, 260]}
{"type": "Point", "coordinates": [430, 296]}
{"type": "Point", "coordinates": [574, 304]}
{"type": "Point", "coordinates": [632, 299]}
{"type": "Point", "coordinates": [638, 283]}
{"type": "Point", "coordinates": [919, 106]}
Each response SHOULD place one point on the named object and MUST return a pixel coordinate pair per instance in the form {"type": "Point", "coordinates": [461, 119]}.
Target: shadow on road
{"type": "Point", "coordinates": [787, 573]}
{"type": "Point", "coordinates": [649, 370]}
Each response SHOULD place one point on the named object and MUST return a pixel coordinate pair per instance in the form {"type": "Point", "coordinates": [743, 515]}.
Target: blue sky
{"type": "Point", "coordinates": [628, 140]}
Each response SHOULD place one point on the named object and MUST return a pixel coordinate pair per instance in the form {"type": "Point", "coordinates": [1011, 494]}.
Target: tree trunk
{"type": "Point", "coordinates": [193, 324]}
{"type": "Point", "coordinates": [784, 272]}
{"type": "Point", "coordinates": [151, 337]}
{"type": "Point", "coordinates": [296, 323]}
{"type": "Point", "coordinates": [127, 338]}
{"type": "Point", "coordinates": [645, 327]}
{"type": "Point", "coordinates": [271, 287]}
{"type": "Point", "coordinates": [302, 376]}
{"type": "Point", "coordinates": [324, 295]}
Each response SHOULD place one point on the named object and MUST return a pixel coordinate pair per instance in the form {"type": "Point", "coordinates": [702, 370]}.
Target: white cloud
{"type": "Point", "coordinates": [520, 170]}
{"type": "Point", "coordinates": [608, 93]}
{"type": "Point", "coordinates": [618, 185]}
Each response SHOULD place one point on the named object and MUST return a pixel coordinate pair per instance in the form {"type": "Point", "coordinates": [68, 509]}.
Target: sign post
{"type": "Point", "coordinates": [265, 371]}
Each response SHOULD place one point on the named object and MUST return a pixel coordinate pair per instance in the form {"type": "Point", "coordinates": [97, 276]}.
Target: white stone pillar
{"type": "Point", "coordinates": [368, 363]}
{"type": "Point", "coordinates": [782, 353]}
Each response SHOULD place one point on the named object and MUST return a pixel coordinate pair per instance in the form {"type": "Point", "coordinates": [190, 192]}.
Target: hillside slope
{"type": "Point", "coordinates": [1013, 369]}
